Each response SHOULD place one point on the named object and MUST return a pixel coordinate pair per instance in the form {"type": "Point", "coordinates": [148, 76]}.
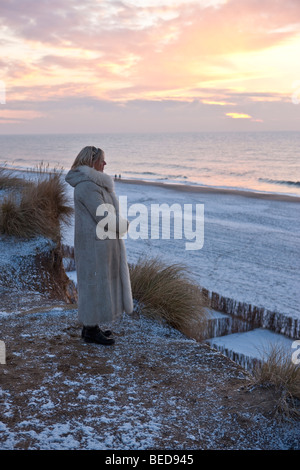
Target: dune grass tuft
{"type": "Point", "coordinates": [277, 370]}
{"type": "Point", "coordinates": [37, 208]}
{"type": "Point", "coordinates": [167, 292]}
{"type": "Point", "coordinates": [8, 181]}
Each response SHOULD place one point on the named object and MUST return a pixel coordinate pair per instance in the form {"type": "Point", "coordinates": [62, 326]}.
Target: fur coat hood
{"type": "Point", "coordinates": [105, 183]}
{"type": "Point", "coordinates": [86, 173]}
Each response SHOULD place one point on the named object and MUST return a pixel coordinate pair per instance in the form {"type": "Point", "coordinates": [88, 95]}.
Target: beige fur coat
{"type": "Point", "coordinates": [104, 289]}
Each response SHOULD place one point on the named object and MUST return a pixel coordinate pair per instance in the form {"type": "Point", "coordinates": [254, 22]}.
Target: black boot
{"type": "Point", "coordinates": [93, 334]}
{"type": "Point", "coordinates": [104, 332]}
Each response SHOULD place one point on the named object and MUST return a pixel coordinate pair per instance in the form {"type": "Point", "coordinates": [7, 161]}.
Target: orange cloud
{"type": "Point", "coordinates": [218, 103]}
{"type": "Point", "coordinates": [238, 116]}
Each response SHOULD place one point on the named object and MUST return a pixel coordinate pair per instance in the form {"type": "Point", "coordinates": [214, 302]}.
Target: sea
{"type": "Point", "coordinates": [251, 161]}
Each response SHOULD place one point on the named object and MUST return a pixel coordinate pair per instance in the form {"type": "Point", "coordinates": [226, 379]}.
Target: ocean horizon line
{"type": "Point", "coordinates": [269, 131]}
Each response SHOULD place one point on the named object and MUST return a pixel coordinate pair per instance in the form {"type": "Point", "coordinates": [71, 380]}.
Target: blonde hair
{"type": "Point", "coordinates": [88, 156]}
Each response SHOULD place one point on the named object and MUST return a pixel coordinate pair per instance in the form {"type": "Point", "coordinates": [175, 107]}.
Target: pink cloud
{"type": "Point", "coordinates": [92, 24]}
{"type": "Point", "coordinates": [136, 52]}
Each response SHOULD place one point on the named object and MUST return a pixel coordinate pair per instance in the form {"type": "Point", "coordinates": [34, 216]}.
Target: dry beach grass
{"type": "Point", "coordinates": [36, 208]}
{"type": "Point", "coordinates": [167, 292]}
{"type": "Point", "coordinates": [279, 372]}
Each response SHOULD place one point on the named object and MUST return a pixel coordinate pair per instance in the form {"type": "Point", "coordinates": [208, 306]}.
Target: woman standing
{"type": "Point", "coordinates": [104, 289]}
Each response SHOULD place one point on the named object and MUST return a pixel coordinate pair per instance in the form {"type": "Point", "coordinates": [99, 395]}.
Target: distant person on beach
{"type": "Point", "coordinates": [104, 289]}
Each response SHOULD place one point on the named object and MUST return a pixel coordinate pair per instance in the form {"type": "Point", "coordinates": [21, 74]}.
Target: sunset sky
{"type": "Point", "coordinates": [149, 65]}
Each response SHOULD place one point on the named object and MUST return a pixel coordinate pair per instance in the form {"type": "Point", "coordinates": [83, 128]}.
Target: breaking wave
{"type": "Point", "coordinates": [282, 182]}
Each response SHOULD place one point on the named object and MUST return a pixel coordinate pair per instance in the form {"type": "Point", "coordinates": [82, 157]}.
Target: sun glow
{"type": "Point", "coordinates": [218, 103]}
{"type": "Point", "coordinates": [238, 116]}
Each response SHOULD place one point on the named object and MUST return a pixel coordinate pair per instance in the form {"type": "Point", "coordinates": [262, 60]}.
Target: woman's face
{"type": "Point", "coordinates": [100, 163]}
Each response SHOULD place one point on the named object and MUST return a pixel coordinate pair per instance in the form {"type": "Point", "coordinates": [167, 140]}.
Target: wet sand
{"type": "Point", "coordinates": [213, 190]}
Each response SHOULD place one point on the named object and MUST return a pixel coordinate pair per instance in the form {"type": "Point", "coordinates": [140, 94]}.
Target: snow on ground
{"type": "Point", "coordinates": [154, 389]}
{"type": "Point", "coordinates": [247, 347]}
{"type": "Point", "coordinates": [254, 343]}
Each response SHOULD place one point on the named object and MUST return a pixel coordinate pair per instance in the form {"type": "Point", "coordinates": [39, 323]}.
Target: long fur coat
{"type": "Point", "coordinates": [104, 289]}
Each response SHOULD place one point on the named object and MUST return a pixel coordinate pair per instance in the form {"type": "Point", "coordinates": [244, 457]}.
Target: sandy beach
{"type": "Point", "coordinates": [213, 190]}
